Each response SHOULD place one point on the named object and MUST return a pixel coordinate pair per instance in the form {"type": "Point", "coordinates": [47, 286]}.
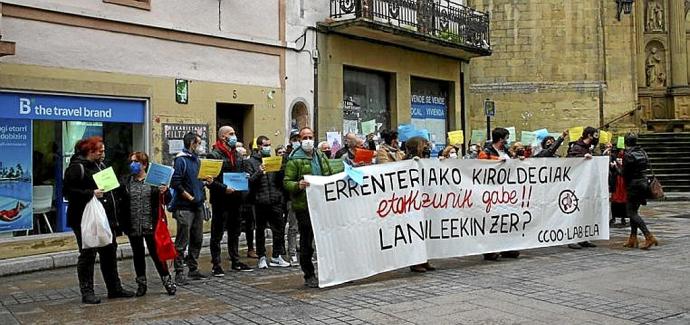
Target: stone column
{"type": "Point", "coordinates": [679, 47]}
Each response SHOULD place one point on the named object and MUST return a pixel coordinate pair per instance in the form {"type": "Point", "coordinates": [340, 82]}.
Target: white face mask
{"type": "Point", "coordinates": [198, 150]}
{"type": "Point", "coordinates": [307, 145]}
{"type": "Point", "coordinates": [295, 145]}
{"type": "Point", "coordinates": [454, 155]}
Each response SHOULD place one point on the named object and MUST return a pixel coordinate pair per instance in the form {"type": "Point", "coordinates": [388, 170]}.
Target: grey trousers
{"type": "Point", "coordinates": [190, 232]}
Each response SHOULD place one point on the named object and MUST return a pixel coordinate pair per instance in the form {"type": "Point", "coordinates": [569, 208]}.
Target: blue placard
{"type": "Point", "coordinates": [237, 181]}
{"type": "Point", "coordinates": [356, 175]}
{"type": "Point", "coordinates": [70, 108]}
{"type": "Point", "coordinates": [158, 175]}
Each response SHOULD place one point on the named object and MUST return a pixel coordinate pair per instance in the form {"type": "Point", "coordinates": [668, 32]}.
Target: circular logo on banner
{"type": "Point", "coordinates": [568, 202]}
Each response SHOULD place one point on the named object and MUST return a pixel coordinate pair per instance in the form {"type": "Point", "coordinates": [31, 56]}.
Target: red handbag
{"type": "Point", "coordinates": [165, 248]}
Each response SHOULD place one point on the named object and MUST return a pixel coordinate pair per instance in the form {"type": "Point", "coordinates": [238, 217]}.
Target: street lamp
{"type": "Point", "coordinates": [624, 6]}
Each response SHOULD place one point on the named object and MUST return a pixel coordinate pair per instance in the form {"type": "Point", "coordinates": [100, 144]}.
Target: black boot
{"type": "Point", "coordinates": [169, 284]}
{"type": "Point", "coordinates": [116, 291]}
{"type": "Point", "coordinates": [141, 289]}
{"type": "Point", "coordinates": [87, 295]}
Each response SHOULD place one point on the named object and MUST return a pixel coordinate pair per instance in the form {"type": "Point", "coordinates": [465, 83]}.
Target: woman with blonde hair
{"type": "Point", "coordinates": [449, 152]}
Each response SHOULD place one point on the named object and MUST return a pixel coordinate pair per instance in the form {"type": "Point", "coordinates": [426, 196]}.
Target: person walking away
{"type": "Point", "coordinates": [267, 189]}
{"type": "Point", "coordinates": [139, 204]}
{"type": "Point", "coordinates": [305, 160]}
{"type": "Point", "coordinates": [226, 203]}
{"type": "Point", "coordinates": [416, 148]}
{"type": "Point", "coordinates": [79, 188]}
{"type": "Point", "coordinates": [186, 206]}
{"type": "Point", "coordinates": [497, 150]}
{"type": "Point", "coordinates": [583, 148]}
{"type": "Point", "coordinates": [635, 166]}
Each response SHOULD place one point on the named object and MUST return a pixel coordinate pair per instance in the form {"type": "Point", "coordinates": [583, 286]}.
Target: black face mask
{"type": "Point", "coordinates": [327, 153]}
{"type": "Point", "coordinates": [426, 153]}
{"type": "Point", "coordinates": [595, 142]}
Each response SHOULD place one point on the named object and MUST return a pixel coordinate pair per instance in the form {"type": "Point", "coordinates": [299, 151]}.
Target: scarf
{"type": "Point", "coordinates": [228, 153]}
{"type": "Point", "coordinates": [314, 160]}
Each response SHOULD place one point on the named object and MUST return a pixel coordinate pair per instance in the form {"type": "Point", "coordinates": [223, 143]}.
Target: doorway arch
{"type": "Point", "coordinates": [299, 115]}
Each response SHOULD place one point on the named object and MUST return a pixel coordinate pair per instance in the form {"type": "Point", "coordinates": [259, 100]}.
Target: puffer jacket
{"type": "Point", "coordinates": [266, 188]}
{"type": "Point", "coordinates": [490, 153]}
{"type": "Point", "coordinates": [579, 149]}
{"type": "Point", "coordinates": [298, 166]}
{"type": "Point", "coordinates": [217, 188]}
{"type": "Point", "coordinates": [78, 188]}
{"type": "Point", "coordinates": [635, 169]}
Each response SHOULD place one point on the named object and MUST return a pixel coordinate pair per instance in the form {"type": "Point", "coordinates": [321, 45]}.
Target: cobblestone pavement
{"type": "Point", "coordinates": [603, 285]}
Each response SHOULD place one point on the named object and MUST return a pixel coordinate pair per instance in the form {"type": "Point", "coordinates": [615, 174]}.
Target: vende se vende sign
{"type": "Point", "coordinates": [410, 211]}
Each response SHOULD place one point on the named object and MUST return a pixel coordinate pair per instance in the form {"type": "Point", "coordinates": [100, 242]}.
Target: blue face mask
{"type": "Point", "coordinates": [135, 167]}
{"type": "Point", "coordinates": [232, 140]}
{"type": "Point", "coordinates": [266, 151]}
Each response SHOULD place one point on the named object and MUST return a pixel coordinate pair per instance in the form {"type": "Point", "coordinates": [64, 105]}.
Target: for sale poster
{"type": "Point", "coordinates": [15, 175]}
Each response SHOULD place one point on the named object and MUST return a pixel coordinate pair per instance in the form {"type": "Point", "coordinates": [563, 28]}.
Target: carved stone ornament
{"type": "Point", "coordinates": [655, 67]}
{"type": "Point", "coordinates": [655, 16]}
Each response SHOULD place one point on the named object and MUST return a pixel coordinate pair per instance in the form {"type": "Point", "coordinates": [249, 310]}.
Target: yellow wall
{"type": "Point", "coordinates": [338, 51]}
{"type": "Point", "coordinates": [266, 117]}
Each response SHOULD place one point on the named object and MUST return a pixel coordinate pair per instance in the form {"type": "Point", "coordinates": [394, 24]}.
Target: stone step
{"type": "Point", "coordinates": [676, 188]}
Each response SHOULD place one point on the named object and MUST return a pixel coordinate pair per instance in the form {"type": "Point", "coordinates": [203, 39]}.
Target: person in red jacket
{"type": "Point", "coordinates": [498, 151]}
{"type": "Point", "coordinates": [11, 214]}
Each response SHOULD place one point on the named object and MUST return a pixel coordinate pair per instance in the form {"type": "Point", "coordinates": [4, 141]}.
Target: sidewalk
{"type": "Point", "coordinates": [603, 285]}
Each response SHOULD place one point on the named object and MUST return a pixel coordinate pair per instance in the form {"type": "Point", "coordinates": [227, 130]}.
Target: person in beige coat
{"type": "Point", "coordinates": [389, 150]}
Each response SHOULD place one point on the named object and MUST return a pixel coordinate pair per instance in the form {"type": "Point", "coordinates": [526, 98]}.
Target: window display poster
{"type": "Point", "coordinates": [429, 112]}
{"type": "Point", "coordinates": [16, 211]}
{"type": "Point", "coordinates": [173, 135]}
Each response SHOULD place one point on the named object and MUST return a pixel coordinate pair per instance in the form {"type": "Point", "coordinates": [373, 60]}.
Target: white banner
{"type": "Point", "coordinates": [410, 211]}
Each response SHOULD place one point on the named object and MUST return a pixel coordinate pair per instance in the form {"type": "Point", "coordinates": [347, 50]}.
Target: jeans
{"type": "Point", "coordinates": [632, 209]}
{"type": "Point", "coordinates": [292, 230]}
{"type": "Point", "coordinates": [225, 218]}
{"type": "Point", "coordinates": [306, 238]}
{"type": "Point", "coordinates": [87, 261]}
{"type": "Point", "coordinates": [273, 216]}
{"type": "Point", "coordinates": [618, 210]}
{"type": "Point", "coordinates": [139, 258]}
{"type": "Point", "coordinates": [190, 232]}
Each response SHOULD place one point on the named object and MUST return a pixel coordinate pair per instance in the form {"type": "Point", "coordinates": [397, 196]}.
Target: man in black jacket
{"type": "Point", "coordinates": [549, 146]}
{"type": "Point", "coordinates": [226, 202]}
{"type": "Point", "coordinates": [583, 148]}
{"type": "Point", "coordinates": [267, 193]}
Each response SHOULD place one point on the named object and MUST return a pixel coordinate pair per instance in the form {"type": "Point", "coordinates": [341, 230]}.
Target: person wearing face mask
{"type": "Point", "coordinates": [294, 142]}
{"type": "Point", "coordinates": [325, 148]}
{"type": "Point", "coordinates": [472, 152]}
{"type": "Point", "coordinates": [583, 148]}
{"type": "Point", "coordinates": [350, 141]}
{"type": "Point", "coordinates": [267, 196]}
{"type": "Point", "coordinates": [349, 158]}
{"type": "Point", "coordinates": [389, 151]}
{"type": "Point", "coordinates": [139, 204]}
{"type": "Point", "coordinates": [549, 146]}
{"type": "Point", "coordinates": [186, 206]}
{"type": "Point", "coordinates": [226, 202]}
{"type": "Point", "coordinates": [305, 160]}
{"type": "Point", "coordinates": [449, 152]}
{"type": "Point", "coordinates": [497, 150]}
{"type": "Point", "coordinates": [80, 188]}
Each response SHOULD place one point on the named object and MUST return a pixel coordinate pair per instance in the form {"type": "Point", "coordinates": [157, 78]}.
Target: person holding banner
{"type": "Point", "coordinates": [635, 167]}
{"type": "Point", "coordinates": [139, 203]}
{"type": "Point", "coordinates": [583, 148]}
{"type": "Point", "coordinates": [304, 160]}
{"type": "Point", "coordinates": [266, 187]}
{"type": "Point", "coordinates": [389, 151]}
{"type": "Point", "coordinates": [226, 203]}
{"type": "Point", "coordinates": [497, 150]}
{"type": "Point", "coordinates": [549, 146]}
{"type": "Point", "coordinates": [186, 206]}
{"type": "Point", "coordinates": [79, 188]}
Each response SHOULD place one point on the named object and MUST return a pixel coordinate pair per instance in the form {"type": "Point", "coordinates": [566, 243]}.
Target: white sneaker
{"type": "Point", "coordinates": [293, 260]}
{"type": "Point", "coordinates": [279, 262]}
{"type": "Point", "coordinates": [262, 263]}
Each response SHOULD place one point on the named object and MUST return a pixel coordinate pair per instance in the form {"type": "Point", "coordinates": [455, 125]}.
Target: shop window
{"type": "Point", "coordinates": [365, 101]}
{"type": "Point", "coordinates": [429, 108]}
{"type": "Point", "coordinates": [141, 4]}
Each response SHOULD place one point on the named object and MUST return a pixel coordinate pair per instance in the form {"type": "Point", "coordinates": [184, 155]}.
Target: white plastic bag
{"type": "Point", "coordinates": [95, 229]}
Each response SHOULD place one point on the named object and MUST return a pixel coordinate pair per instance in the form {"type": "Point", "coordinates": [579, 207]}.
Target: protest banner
{"type": "Point", "coordinates": [407, 212]}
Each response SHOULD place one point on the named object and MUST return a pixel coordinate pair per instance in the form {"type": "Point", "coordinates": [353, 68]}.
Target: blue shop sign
{"type": "Point", "coordinates": [70, 108]}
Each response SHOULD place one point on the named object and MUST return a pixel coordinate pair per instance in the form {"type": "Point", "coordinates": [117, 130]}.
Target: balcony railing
{"type": "Point", "coordinates": [441, 19]}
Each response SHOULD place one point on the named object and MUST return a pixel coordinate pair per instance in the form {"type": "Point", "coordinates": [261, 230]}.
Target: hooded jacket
{"type": "Point", "coordinates": [186, 169]}
{"type": "Point", "coordinates": [78, 188]}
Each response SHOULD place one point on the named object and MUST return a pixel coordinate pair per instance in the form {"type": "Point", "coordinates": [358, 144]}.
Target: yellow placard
{"type": "Point", "coordinates": [456, 137]}
{"type": "Point", "coordinates": [605, 137]}
{"type": "Point", "coordinates": [575, 133]}
{"type": "Point", "coordinates": [106, 180]}
{"type": "Point", "coordinates": [210, 167]}
{"type": "Point", "coordinates": [272, 164]}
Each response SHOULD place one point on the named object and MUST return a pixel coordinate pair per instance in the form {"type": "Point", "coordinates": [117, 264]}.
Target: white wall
{"type": "Point", "coordinates": [240, 19]}
{"type": "Point", "coordinates": [53, 45]}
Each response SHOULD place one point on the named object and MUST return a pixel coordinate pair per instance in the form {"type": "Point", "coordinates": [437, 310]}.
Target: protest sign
{"type": "Point", "coordinates": [456, 137]}
{"type": "Point", "coordinates": [541, 134]}
{"type": "Point", "coordinates": [620, 144]}
{"type": "Point", "coordinates": [210, 167]}
{"type": "Point", "coordinates": [575, 133]}
{"type": "Point", "coordinates": [512, 137]}
{"type": "Point", "coordinates": [158, 175]}
{"type": "Point", "coordinates": [236, 181]}
{"type": "Point", "coordinates": [106, 180]}
{"type": "Point", "coordinates": [408, 212]}
{"type": "Point", "coordinates": [605, 137]}
{"type": "Point", "coordinates": [364, 156]}
{"type": "Point", "coordinates": [368, 127]}
{"type": "Point", "coordinates": [528, 138]}
{"type": "Point", "coordinates": [272, 164]}
{"type": "Point", "coordinates": [478, 137]}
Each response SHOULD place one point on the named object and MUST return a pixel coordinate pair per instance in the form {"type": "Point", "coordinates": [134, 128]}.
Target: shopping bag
{"type": "Point", "coordinates": [165, 249]}
{"type": "Point", "coordinates": [656, 191]}
{"type": "Point", "coordinates": [95, 229]}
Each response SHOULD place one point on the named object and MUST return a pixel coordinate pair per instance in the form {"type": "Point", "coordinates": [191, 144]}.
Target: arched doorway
{"type": "Point", "coordinates": [299, 116]}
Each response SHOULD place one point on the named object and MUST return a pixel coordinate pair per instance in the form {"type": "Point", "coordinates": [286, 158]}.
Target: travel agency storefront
{"type": "Point", "coordinates": [38, 132]}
